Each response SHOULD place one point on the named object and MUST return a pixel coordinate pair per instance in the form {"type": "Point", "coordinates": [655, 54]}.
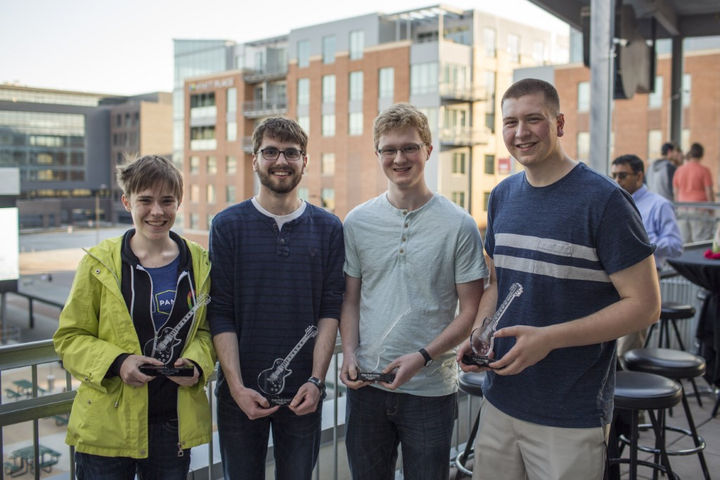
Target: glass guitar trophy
{"type": "Point", "coordinates": [482, 338]}
{"type": "Point", "coordinates": [162, 346]}
{"type": "Point", "coordinates": [272, 381]}
{"type": "Point", "coordinates": [367, 357]}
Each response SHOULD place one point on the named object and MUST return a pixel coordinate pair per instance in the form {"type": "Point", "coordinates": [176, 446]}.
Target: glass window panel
{"type": "Point", "coordinates": [489, 42]}
{"type": "Point", "coordinates": [357, 44]}
{"type": "Point", "coordinates": [328, 125]}
{"type": "Point", "coordinates": [328, 88]}
{"type": "Point", "coordinates": [328, 47]}
{"type": "Point", "coordinates": [303, 94]}
{"type": "Point", "coordinates": [303, 53]}
{"type": "Point", "coordinates": [387, 82]}
{"type": "Point", "coordinates": [355, 124]}
{"type": "Point", "coordinates": [356, 85]}
{"type": "Point", "coordinates": [583, 96]}
{"type": "Point", "coordinates": [327, 165]}
{"type": "Point", "coordinates": [655, 99]}
{"type": "Point", "coordinates": [513, 47]}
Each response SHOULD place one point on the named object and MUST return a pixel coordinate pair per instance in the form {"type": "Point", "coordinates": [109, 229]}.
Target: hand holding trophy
{"type": "Point", "coordinates": [482, 338]}
{"type": "Point", "coordinates": [367, 357]}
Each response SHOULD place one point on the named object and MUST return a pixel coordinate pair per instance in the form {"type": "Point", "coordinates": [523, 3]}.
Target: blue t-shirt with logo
{"type": "Point", "coordinates": [164, 284]}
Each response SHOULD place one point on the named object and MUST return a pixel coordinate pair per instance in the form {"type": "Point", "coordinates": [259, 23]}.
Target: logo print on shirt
{"type": "Point", "coordinates": [164, 302]}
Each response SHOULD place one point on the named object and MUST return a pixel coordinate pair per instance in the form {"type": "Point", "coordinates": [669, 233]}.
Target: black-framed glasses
{"type": "Point", "coordinates": [409, 151]}
{"type": "Point", "coordinates": [291, 154]}
{"type": "Point", "coordinates": [621, 175]}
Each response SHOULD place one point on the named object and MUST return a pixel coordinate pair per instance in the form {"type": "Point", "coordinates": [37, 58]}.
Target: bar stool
{"type": "Point", "coordinates": [676, 365]}
{"type": "Point", "coordinates": [669, 313]}
{"type": "Point", "coordinates": [470, 383]}
{"type": "Point", "coordinates": [636, 391]}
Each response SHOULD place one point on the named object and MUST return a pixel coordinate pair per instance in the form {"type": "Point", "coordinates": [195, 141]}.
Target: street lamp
{"type": "Point", "coordinates": [97, 212]}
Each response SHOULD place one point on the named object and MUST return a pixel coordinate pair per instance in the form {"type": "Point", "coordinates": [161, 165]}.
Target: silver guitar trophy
{"type": "Point", "coordinates": [367, 357]}
{"type": "Point", "coordinates": [163, 345]}
{"type": "Point", "coordinates": [272, 381]}
{"type": "Point", "coordinates": [482, 338]}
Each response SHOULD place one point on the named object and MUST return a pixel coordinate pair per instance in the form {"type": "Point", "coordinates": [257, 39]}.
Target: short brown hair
{"type": "Point", "coordinates": [282, 129]}
{"type": "Point", "coordinates": [400, 117]}
{"type": "Point", "coordinates": [139, 174]}
{"type": "Point", "coordinates": [531, 86]}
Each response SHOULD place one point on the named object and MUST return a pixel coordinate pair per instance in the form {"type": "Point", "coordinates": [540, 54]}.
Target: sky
{"type": "Point", "coordinates": [125, 47]}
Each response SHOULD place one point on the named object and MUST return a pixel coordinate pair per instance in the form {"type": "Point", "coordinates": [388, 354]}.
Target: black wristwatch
{"type": "Point", "coordinates": [426, 356]}
{"type": "Point", "coordinates": [320, 385]}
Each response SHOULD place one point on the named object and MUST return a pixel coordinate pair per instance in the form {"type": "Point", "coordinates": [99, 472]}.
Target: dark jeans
{"type": "Point", "coordinates": [163, 461]}
{"type": "Point", "coordinates": [377, 421]}
{"type": "Point", "coordinates": [244, 442]}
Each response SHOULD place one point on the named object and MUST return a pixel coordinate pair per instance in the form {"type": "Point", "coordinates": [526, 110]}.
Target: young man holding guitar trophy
{"type": "Point", "coordinates": [277, 290]}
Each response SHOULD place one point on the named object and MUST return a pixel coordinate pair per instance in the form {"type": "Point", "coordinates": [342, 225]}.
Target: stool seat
{"type": "Point", "coordinates": [643, 391]}
{"type": "Point", "coordinates": [471, 383]}
{"type": "Point", "coordinates": [676, 311]}
{"type": "Point", "coordinates": [675, 364]}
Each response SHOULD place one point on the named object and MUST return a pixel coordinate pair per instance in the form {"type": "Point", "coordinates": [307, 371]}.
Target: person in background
{"type": "Point", "coordinates": [277, 290]}
{"type": "Point", "coordinates": [575, 242]}
{"type": "Point", "coordinates": [139, 300]}
{"type": "Point", "coordinates": [658, 217]}
{"type": "Point", "coordinates": [660, 173]}
{"type": "Point", "coordinates": [693, 183]}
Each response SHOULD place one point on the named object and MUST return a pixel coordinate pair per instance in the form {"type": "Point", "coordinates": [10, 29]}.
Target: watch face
{"type": "Point", "coordinates": [429, 362]}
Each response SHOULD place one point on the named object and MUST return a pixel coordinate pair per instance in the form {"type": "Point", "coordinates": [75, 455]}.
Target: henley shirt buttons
{"type": "Point", "coordinates": [407, 225]}
{"type": "Point", "coordinates": [404, 212]}
{"type": "Point", "coordinates": [404, 239]}
{"type": "Point", "coordinates": [402, 250]}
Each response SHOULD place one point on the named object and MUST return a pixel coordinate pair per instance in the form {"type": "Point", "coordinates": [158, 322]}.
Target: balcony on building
{"type": "Point", "coordinates": [454, 92]}
{"type": "Point", "coordinates": [247, 145]}
{"type": "Point", "coordinates": [265, 60]}
{"type": "Point", "coordinates": [463, 137]}
{"type": "Point", "coordinates": [265, 107]}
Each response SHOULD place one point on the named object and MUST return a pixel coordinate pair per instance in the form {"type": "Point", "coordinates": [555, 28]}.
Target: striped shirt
{"type": "Point", "coordinates": [561, 243]}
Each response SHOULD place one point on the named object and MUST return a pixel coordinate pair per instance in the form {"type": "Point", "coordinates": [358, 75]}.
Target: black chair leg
{"type": "Point", "coordinates": [691, 424]}
{"type": "Point", "coordinates": [649, 334]}
{"type": "Point", "coordinates": [469, 446]}
{"type": "Point", "coordinates": [677, 335]}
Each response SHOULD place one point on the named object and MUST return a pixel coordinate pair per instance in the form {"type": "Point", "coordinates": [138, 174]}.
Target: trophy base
{"type": "Point", "coordinates": [282, 401]}
{"type": "Point", "coordinates": [375, 377]}
{"type": "Point", "coordinates": [478, 360]}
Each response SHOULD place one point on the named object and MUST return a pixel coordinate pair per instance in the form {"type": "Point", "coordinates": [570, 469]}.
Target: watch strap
{"type": "Point", "coordinates": [426, 356]}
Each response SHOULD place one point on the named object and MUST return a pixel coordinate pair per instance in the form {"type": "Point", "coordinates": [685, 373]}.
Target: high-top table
{"type": "Point", "coordinates": [706, 273]}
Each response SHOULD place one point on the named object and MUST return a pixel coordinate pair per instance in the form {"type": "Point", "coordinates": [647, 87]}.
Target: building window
{"type": "Point", "coordinates": [230, 165]}
{"type": "Point", "coordinates": [386, 87]}
{"type": "Point", "coordinates": [490, 109]}
{"type": "Point", "coordinates": [356, 85]}
{"type": "Point", "coordinates": [654, 140]}
{"type": "Point", "coordinates": [118, 120]}
{"type": "Point", "coordinates": [423, 78]}
{"type": "Point", "coordinates": [583, 147]}
{"type": "Point", "coordinates": [194, 221]}
{"type": "Point", "coordinates": [194, 164]}
{"type": "Point", "coordinates": [230, 194]}
{"type": "Point", "coordinates": [583, 96]}
{"type": "Point", "coordinates": [328, 49]}
{"type": "Point", "coordinates": [328, 125]}
{"type": "Point", "coordinates": [303, 193]}
{"type": "Point", "coordinates": [231, 131]}
{"type": "Point", "coordinates": [303, 93]}
{"type": "Point", "coordinates": [303, 53]}
{"type": "Point", "coordinates": [355, 124]}
{"type": "Point", "coordinates": [210, 194]}
{"type": "Point", "coordinates": [655, 98]}
{"type": "Point", "coordinates": [459, 198]}
{"type": "Point", "coordinates": [328, 88]}
{"type": "Point", "coordinates": [231, 100]}
{"type": "Point", "coordinates": [194, 193]}
{"type": "Point", "coordinates": [327, 165]}
{"type": "Point", "coordinates": [686, 88]}
{"type": "Point", "coordinates": [513, 47]}
{"type": "Point", "coordinates": [490, 43]}
{"type": "Point", "coordinates": [685, 139]}
{"type": "Point", "coordinates": [304, 122]}
{"type": "Point", "coordinates": [486, 201]}
{"type": "Point", "coordinates": [357, 44]}
{"type": "Point", "coordinates": [211, 165]}
{"type": "Point", "coordinates": [490, 164]}
{"type": "Point", "coordinates": [328, 199]}
{"type": "Point", "coordinates": [539, 52]}
{"type": "Point", "coordinates": [458, 163]}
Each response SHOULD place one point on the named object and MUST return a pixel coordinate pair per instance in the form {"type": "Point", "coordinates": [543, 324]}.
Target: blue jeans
{"type": "Point", "coordinates": [163, 461]}
{"type": "Point", "coordinates": [377, 421]}
{"type": "Point", "coordinates": [244, 442]}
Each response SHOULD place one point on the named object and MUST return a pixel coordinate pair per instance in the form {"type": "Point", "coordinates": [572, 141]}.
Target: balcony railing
{"type": "Point", "coordinates": [266, 73]}
{"type": "Point", "coordinates": [467, 93]}
{"type": "Point", "coordinates": [264, 108]}
{"type": "Point", "coordinates": [463, 137]}
{"type": "Point", "coordinates": [203, 144]}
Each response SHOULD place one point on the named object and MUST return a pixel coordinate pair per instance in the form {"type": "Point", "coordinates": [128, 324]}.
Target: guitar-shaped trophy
{"type": "Point", "coordinates": [163, 345]}
{"type": "Point", "coordinates": [272, 381]}
{"type": "Point", "coordinates": [367, 357]}
{"type": "Point", "coordinates": [482, 339]}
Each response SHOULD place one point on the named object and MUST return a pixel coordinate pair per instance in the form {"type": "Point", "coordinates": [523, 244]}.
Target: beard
{"type": "Point", "coordinates": [279, 187]}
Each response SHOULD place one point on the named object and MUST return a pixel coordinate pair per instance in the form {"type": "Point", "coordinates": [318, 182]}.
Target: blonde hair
{"type": "Point", "coordinates": [401, 116]}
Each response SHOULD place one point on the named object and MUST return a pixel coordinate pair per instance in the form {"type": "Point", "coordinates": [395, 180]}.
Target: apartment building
{"type": "Point", "coordinates": [641, 125]}
{"type": "Point", "coordinates": [334, 79]}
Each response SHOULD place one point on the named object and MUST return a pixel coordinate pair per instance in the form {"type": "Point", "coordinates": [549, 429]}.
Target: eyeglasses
{"type": "Point", "coordinates": [621, 175]}
{"type": "Point", "coordinates": [291, 154]}
{"type": "Point", "coordinates": [409, 151]}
